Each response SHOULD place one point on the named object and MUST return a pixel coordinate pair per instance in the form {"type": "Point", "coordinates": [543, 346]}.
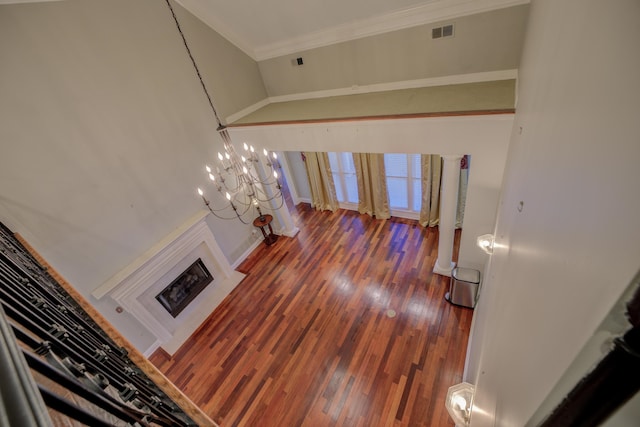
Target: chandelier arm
{"type": "Point", "coordinates": [222, 217]}
{"type": "Point", "coordinates": [239, 215]}
{"type": "Point", "coordinates": [214, 210]}
{"type": "Point", "coordinates": [268, 181]}
{"type": "Point", "coordinates": [269, 208]}
{"type": "Point", "coordinates": [268, 198]}
{"type": "Point", "coordinates": [230, 190]}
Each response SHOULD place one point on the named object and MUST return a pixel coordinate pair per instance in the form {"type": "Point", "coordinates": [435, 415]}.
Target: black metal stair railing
{"type": "Point", "coordinates": [55, 361]}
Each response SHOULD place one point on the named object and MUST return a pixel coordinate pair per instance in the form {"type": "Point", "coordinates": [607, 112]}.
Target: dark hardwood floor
{"type": "Point", "coordinates": [306, 339]}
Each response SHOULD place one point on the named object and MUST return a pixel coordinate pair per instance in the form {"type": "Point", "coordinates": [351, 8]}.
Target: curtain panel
{"type": "Point", "coordinates": [431, 165]}
{"type": "Point", "coordinates": [323, 191]}
{"type": "Point", "coordinates": [372, 185]}
{"type": "Point", "coordinates": [431, 172]}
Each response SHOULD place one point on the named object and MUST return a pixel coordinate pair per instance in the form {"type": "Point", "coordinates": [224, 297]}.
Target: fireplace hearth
{"type": "Point", "coordinates": [175, 297]}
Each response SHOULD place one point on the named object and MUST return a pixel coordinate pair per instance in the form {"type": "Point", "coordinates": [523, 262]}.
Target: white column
{"type": "Point", "coordinates": [448, 205]}
{"type": "Point", "coordinates": [281, 215]}
{"type": "Point", "coordinates": [289, 228]}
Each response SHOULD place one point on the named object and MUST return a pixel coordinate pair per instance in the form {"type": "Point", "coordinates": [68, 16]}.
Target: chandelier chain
{"type": "Point", "coordinates": [195, 66]}
{"type": "Point", "coordinates": [242, 189]}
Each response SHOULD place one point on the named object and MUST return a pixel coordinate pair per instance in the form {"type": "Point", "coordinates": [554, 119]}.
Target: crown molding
{"type": "Point", "coordinates": [246, 111]}
{"type": "Point", "coordinates": [219, 26]}
{"type": "Point", "coordinates": [420, 15]}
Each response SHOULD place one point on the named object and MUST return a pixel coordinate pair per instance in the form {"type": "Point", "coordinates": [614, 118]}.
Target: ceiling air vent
{"type": "Point", "coordinates": [442, 32]}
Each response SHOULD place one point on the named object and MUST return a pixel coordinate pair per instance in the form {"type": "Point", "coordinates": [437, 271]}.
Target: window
{"type": "Point", "coordinates": [344, 177]}
{"type": "Point", "coordinates": [404, 181]}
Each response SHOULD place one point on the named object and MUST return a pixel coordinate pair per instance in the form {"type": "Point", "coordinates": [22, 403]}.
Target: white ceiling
{"type": "Point", "coordinates": [266, 29]}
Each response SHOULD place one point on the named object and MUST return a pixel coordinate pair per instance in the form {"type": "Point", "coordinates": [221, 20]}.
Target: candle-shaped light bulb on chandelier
{"type": "Point", "coordinates": [246, 183]}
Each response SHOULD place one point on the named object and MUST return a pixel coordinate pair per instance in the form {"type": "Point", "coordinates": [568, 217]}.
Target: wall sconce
{"type": "Point", "coordinates": [485, 242]}
{"type": "Point", "coordinates": [459, 402]}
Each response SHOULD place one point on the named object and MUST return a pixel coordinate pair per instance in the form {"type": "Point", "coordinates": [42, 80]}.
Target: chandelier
{"type": "Point", "coordinates": [249, 185]}
{"type": "Point", "coordinates": [245, 182]}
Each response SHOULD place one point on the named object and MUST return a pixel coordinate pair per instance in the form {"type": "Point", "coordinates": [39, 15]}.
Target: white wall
{"type": "Point", "coordinates": [485, 138]}
{"type": "Point", "coordinates": [104, 130]}
{"type": "Point", "coordinates": [565, 258]}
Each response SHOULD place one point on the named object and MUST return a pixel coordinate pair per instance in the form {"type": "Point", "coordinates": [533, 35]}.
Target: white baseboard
{"type": "Point", "coordinates": [246, 254]}
{"type": "Point", "coordinates": [152, 348]}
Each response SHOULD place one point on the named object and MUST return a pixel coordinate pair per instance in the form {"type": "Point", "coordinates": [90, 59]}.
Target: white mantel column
{"type": "Point", "coordinates": [283, 216]}
{"type": "Point", "coordinates": [448, 205]}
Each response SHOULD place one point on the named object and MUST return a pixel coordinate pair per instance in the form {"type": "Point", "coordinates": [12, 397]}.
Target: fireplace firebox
{"type": "Point", "coordinates": [175, 297]}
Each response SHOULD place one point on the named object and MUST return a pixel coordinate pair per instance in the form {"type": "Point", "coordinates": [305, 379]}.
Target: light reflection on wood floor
{"type": "Point", "coordinates": [305, 339]}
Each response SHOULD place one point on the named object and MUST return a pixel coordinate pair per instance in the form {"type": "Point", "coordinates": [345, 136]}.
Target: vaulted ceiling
{"type": "Point", "coordinates": [266, 29]}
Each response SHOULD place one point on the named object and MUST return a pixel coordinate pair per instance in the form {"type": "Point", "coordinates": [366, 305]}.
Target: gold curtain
{"type": "Point", "coordinates": [372, 185]}
{"type": "Point", "coordinates": [431, 178]}
{"type": "Point", "coordinates": [323, 191]}
{"type": "Point", "coordinates": [431, 171]}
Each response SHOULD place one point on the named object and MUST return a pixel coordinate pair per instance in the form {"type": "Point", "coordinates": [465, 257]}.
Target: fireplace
{"type": "Point", "coordinates": [175, 297]}
{"type": "Point", "coordinates": [150, 287]}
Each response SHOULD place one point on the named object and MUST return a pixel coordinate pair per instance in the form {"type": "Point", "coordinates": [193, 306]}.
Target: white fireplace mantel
{"type": "Point", "coordinates": [135, 287]}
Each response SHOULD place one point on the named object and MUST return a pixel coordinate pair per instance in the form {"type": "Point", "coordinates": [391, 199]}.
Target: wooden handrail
{"type": "Point", "coordinates": [380, 117]}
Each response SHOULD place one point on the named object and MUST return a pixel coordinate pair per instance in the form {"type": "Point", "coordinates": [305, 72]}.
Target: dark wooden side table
{"type": "Point", "coordinates": [263, 223]}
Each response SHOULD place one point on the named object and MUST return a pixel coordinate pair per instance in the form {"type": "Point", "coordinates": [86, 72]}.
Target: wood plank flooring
{"type": "Point", "coordinates": [306, 340]}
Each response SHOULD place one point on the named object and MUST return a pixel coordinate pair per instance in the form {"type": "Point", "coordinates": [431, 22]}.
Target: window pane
{"type": "Point", "coordinates": [347, 163]}
{"type": "Point", "coordinates": [333, 162]}
{"type": "Point", "coordinates": [344, 178]}
{"type": "Point", "coordinates": [417, 195]}
{"type": "Point", "coordinates": [352, 188]}
{"type": "Point", "coordinates": [336, 183]}
{"type": "Point", "coordinates": [397, 189]}
{"type": "Point", "coordinates": [416, 169]}
{"type": "Point", "coordinates": [395, 164]}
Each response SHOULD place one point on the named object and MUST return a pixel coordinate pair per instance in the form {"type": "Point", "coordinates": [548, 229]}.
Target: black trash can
{"type": "Point", "coordinates": [463, 288]}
